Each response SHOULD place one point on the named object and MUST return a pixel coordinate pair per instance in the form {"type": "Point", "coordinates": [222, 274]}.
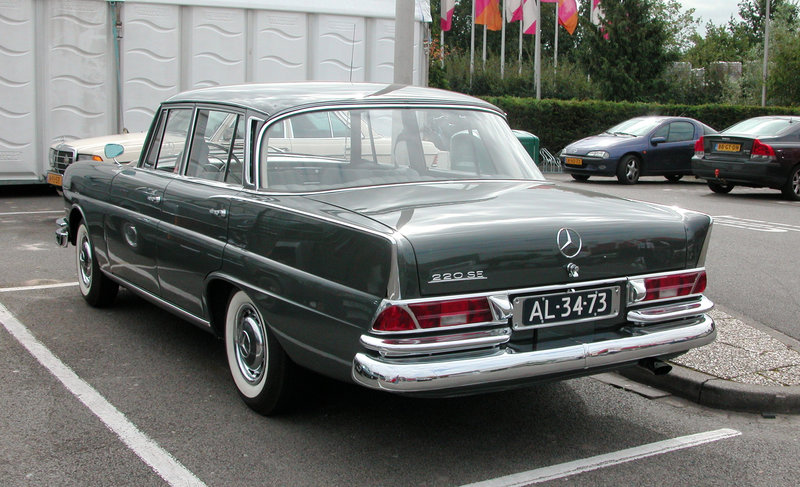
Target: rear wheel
{"type": "Point", "coordinates": [791, 190]}
{"type": "Point", "coordinates": [259, 366]}
{"type": "Point", "coordinates": [720, 187]}
{"type": "Point", "coordinates": [580, 177]}
{"type": "Point", "coordinates": [97, 289]}
{"type": "Point", "coordinates": [629, 169]}
{"type": "Point", "coordinates": [674, 178]}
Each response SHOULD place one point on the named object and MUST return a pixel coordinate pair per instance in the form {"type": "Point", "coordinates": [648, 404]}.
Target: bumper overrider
{"type": "Point", "coordinates": [484, 360]}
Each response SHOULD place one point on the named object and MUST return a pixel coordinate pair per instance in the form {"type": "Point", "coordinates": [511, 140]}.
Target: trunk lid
{"type": "Point", "coordinates": [729, 147]}
{"type": "Point", "coordinates": [478, 236]}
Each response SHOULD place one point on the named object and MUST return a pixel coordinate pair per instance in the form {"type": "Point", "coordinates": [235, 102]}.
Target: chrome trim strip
{"type": "Point", "coordinates": [421, 375]}
{"type": "Point", "coordinates": [395, 347]}
{"type": "Point", "coordinates": [670, 312]}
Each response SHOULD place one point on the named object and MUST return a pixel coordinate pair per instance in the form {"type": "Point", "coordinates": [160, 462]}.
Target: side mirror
{"type": "Point", "coordinates": [658, 140]}
{"type": "Point", "coordinates": [113, 150]}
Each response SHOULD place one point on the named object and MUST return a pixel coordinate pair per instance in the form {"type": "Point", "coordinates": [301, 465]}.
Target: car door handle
{"type": "Point", "coordinates": [154, 198]}
{"type": "Point", "coordinates": [220, 213]}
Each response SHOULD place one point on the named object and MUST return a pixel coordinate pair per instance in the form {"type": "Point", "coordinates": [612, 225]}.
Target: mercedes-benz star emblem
{"type": "Point", "coordinates": [569, 242]}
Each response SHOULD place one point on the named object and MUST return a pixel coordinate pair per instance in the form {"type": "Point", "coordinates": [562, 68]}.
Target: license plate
{"type": "Point", "coordinates": [574, 161]}
{"type": "Point", "coordinates": [728, 147]}
{"type": "Point", "coordinates": [54, 179]}
{"type": "Point", "coordinates": [566, 307]}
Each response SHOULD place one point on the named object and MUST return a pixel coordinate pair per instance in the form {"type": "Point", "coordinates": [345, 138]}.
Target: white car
{"type": "Point", "coordinates": [62, 154]}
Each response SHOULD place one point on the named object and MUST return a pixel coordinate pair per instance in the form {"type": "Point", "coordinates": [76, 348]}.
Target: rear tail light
{"type": "Point", "coordinates": [438, 314]}
{"type": "Point", "coordinates": [762, 151]}
{"type": "Point", "coordinates": [699, 147]}
{"type": "Point", "coordinates": [668, 286]}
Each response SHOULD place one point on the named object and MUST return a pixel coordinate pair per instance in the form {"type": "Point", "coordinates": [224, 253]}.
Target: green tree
{"type": "Point", "coordinates": [628, 55]}
{"type": "Point", "coordinates": [753, 12]}
{"type": "Point", "coordinates": [721, 43]}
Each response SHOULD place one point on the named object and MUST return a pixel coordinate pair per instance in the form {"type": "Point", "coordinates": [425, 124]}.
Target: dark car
{"type": "Point", "coordinates": [758, 152]}
{"type": "Point", "coordinates": [453, 274]}
{"type": "Point", "coordinates": [641, 146]}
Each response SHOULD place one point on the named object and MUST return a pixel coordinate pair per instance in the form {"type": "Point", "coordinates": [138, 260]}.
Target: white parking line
{"type": "Point", "coordinates": [164, 464]}
{"type": "Point", "coordinates": [757, 225]}
{"type": "Point", "coordinates": [37, 287]}
{"type": "Point", "coordinates": [601, 461]}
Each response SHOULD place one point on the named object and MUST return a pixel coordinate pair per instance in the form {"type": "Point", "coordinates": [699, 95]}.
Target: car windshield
{"type": "Point", "coordinates": [762, 127]}
{"type": "Point", "coordinates": [634, 126]}
{"type": "Point", "coordinates": [314, 151]}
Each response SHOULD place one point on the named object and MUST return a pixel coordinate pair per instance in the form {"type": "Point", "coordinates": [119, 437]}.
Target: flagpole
{"type": "Point", "coordinates": [519, 60]}
{"type": "Point", "coordinates": [472, 46]}
{"type": "Point", "coordinates": [537, 52]}
{"type": "Point", "coordinates": [555, 43]}
{"type": "Point", "coordinates": [503, 42]}
{"type": "Point", "coordinates": [484, 45]}
{"type": "Point", "coordinates": [441, 47]}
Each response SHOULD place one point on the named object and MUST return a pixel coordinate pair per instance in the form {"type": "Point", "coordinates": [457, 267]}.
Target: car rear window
{"type": "Point", "coordinates": [762, 127]}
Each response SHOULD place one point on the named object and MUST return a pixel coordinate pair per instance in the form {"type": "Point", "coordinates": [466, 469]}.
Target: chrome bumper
{"type": "Point", "coordinates": [62, 232]}
{"type": "Point", "coordinates": [442, 372]}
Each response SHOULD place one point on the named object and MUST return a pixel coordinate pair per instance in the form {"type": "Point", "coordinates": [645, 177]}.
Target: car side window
{"type": "Point", "coordinates": [662, 131]}
{"type": "Point", "coordinates": [213, 148]}
{"type": "Point", "coordinates": [680, 131]}
{"type": "Point", "coordinates": [311, 125]}
{"type": "Point", "coordinates": [168, 144]}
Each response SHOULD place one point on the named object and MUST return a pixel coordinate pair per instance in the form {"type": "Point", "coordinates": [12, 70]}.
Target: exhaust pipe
{"type": "Point", "coordinates": [655, 366]}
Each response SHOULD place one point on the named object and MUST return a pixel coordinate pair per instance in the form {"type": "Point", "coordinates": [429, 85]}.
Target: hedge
{"type": "Point", "coordinates": [559, 122]}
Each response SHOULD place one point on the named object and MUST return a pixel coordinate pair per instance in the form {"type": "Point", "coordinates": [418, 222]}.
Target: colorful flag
{"type": "Point", "coordinates": [446, 18]}
{"type": "Point", "coordinates": [487, 12]}
{"type": "Point", "coordinates": [568, 15]}
{"type": "Point", "coordinates": [597, 13]}
{"type": "Point", "coordinates": [513, 10]}
{"type": "Point", "coordinates": [530, 10]}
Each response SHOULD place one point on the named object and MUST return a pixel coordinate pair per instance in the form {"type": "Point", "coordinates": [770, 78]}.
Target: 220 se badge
{"type": "Point", "coordinates": [456, 276]}
{"type": "Point", "coordinates": [397, 237]}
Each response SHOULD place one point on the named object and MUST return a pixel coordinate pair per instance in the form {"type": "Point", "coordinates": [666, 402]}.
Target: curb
{"type": "Point", "coordinates": [719, 393]}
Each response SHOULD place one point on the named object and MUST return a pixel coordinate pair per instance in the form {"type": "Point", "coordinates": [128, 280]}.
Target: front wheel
{"type": "Point", "coordinates": [97, 289]}
{"type": "Point", "coordinates": [629, 169]}
{"type": "Point", "coordinates": [719, 187]}
{"type": "Point", "coordinates": [259, 366]}
{"type": "Point", "coordinates": [791, 190]}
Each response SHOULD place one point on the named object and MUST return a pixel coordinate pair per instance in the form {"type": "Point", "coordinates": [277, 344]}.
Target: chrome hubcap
{"type": "Point", "coordinates": [85, 262]}
{"type": "Point", "coordinates": [249, 345]}
{"type": "Point", "coordinates": [796, 183]}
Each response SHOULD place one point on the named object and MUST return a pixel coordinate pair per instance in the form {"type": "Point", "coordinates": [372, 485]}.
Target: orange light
{"type": "Point", "coordinates": [97, 158]}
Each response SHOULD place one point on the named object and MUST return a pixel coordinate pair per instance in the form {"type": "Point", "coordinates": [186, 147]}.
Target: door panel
{"type": "Point", "coordinates": [132, 226]}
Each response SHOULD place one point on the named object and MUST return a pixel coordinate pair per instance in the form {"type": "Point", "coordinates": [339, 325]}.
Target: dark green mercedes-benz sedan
{"type": "Point", "coordinates": [397, 237]}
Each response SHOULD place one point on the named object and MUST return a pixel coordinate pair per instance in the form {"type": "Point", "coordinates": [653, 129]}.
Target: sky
{"type": "Point", "coordinates": [717, 11]}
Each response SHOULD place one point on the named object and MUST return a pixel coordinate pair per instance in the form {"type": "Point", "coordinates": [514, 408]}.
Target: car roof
{"type": "Point", "coordinates": [274, 98]}
{"type": "Point", "coordinates": [664, 117]}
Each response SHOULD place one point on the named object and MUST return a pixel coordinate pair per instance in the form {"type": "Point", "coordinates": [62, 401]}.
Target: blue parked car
{"type": "Point", "coordinates": [641, 146]}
